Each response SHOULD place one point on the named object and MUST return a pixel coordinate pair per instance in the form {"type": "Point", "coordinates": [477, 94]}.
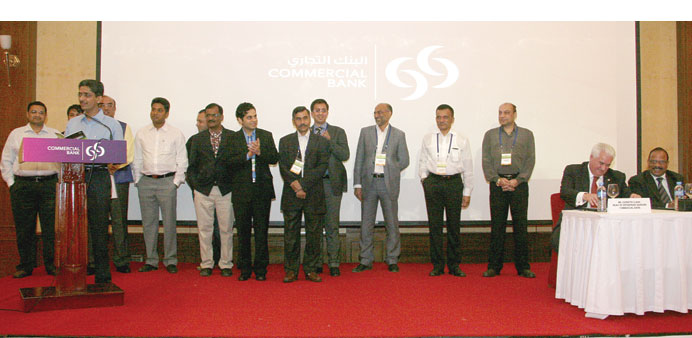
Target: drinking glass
{"type": "Point", "coordinates": [613, 190]}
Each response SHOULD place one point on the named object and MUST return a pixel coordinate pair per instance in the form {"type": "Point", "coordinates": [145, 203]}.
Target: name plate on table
{"type": "Point", "coordinates": [73, 150]}
{"type": "Point", "coordinates": [629, 205]}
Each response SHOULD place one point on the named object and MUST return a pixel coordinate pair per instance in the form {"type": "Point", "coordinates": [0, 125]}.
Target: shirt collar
{"type": "Point", "coordinates": [252, 134]}
{"type": "Point", "coordinates": [323, 126]}
{"type": "Point", "coordinates": [29, 129]}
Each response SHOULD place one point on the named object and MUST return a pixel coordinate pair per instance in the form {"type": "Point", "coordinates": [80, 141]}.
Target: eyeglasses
{"type": "Point", "coordinates": [213, 115]}
{"type": "Point", "coordinates": [658, 162]}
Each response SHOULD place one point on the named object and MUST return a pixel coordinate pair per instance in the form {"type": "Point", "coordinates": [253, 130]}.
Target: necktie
{"type": "Point", "coordinates": [662, 191]}
{"type": "Point", "coordinates": [318, 130]}
{"type": "Point", "coordinates": [594, 188]}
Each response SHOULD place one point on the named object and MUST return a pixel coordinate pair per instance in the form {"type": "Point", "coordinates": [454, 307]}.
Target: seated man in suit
{"type": "Point", "coordinates": [656, 183]}
{"type": "Point", "coordinates": [580, 182]}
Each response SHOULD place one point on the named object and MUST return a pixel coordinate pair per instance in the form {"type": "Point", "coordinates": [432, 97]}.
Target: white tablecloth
{"type": "Point", "coordinates": [610, 264]}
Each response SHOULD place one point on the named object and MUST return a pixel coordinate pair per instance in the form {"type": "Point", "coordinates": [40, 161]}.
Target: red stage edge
{"type": "Point", "coordinates": [49, 298]}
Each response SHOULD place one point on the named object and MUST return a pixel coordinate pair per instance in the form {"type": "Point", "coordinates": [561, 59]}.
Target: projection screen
{"type": "Point", "coordinates": [574, 84]}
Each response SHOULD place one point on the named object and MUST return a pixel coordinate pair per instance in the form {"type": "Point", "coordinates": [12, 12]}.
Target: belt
{"type": "Point", "coordinates": [162, 176]}
{"type": "Point", "coordinates": [378, 175]}
{"type": "Point", "coordinates": [509, 176]}
{"type": "Point", "coordinates": [96, 167]}
{"type": "Point", "coordinates": [36, 178]}
{"type": "Point", "coordinates": [445, 177]}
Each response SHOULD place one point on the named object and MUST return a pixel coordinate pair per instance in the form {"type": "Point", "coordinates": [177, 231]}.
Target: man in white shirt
{"type": "Point", "coordinates": [159, 167]}
{"type": "Point", "coordinates": [32, 191]}
{"type": "Point", "coordinates": [445, 158]}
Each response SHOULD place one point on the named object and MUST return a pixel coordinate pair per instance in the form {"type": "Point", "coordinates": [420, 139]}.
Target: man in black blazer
{"type": "Point", "coordinates": [303, 160]}
{"type": "Point", "coordinates": [252, 151]}
{"type": "Point", "coordinates": [580, 181]}
{"type": "Point", "coordinates": [657, 183]}
{"type": "Point", "coordinates": [209, 175]}
{"type": "Point", "coordinates": [335, 181]}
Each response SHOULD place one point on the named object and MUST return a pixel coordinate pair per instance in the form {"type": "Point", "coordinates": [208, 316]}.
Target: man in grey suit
{"type": "Point", "coordinates": [335, 182]}
{"type": "Point", "coordinates": [381, 156]}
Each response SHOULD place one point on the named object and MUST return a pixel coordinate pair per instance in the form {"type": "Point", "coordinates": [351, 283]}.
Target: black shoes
{"type": "Point", "coordinates": [361, 268]}
{"type": "Point", "coordinates": [260, 278]}
{"type": "Point", "coordinates": [243, 277]}
{"type": "Point", "coordinates": [51, 270]}
{"type": "Point", "coordinates": [205, 272]}
{"type": "Point", "coordinates": [393, 267]}
{"type": "Point", "coordinates": [123, 269]}
{"type": "Point", "coordinates": [490, 273]}
{"type": "Point", "coordinates": [334, 272]}
{"type": "Point", "coordinates": [456, 271]}
{"type": "Point", "coordinates": [21, 274]}
{"type": "Point", "coordinates": [226, 272]}
{"type": "Point", "coordinates": [437, 272]}
{"type": "Point", "coordinates": [526, 273]}
{"type": "Point", "coordinates": [290, 277]}
{"type": "Point", "coordinates": [147, 268]}
{"type": "Point", "coordinates": [172, 268]}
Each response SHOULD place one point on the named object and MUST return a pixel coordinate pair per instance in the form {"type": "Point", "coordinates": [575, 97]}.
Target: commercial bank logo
{"type": "Point", "coordinates": [419, 75]}
{"type": "Point", "coordinates": [94, 151]}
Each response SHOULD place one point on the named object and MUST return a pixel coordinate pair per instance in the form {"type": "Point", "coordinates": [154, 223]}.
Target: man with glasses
{"type": "Point", "coordinates": [656, 183]}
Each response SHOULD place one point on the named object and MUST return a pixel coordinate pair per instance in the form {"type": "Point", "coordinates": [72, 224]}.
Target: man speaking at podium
{"type": "Point", "coordinates": [96, 126]}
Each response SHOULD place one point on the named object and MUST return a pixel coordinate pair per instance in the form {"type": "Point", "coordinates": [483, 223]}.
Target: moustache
{"type": "Point", "coordinates": [657, 168]}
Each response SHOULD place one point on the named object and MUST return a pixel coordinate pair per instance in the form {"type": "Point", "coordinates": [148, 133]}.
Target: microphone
{"type": "Point", "coordinates": [110, 132]}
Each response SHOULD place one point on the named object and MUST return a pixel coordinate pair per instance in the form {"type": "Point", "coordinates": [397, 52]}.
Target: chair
{"type": "Point", "coordinates": [556, 206]}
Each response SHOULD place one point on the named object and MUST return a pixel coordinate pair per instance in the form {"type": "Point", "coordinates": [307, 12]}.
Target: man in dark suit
{"type": "Point", "coordinates": [209, 175]}
{"type": "Point", "coordinates": [303, 160]}
{"type": "Point", "coordinates": [335, 181]}
{"type": "Point", "coordinates": [580, 182]}
{"type": "Point", "coordinates": [381, 156]}
{"type": "Point", "coordinates": [252, 151]}
{"type": "Point", "coordinates": [656, 183]}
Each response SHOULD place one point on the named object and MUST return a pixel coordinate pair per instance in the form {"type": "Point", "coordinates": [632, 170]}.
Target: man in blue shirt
{"type": "Point", "coordinates": [95, 125]}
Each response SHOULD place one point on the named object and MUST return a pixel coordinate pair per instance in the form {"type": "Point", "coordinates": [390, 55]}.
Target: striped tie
{"type": "Point", "coordinates": [662, 191]}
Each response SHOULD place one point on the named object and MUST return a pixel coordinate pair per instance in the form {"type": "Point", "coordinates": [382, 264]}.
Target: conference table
{"type": "Point", "coordinates": [612, 264]}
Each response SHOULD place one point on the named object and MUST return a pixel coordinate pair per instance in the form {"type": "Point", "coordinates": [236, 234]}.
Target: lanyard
{"type": "Point", "coordinates": [386, 141]}
{"type": "Point", "coordinates": [451, 137]}
{"type": "Point", "coordinates": [516, 132]}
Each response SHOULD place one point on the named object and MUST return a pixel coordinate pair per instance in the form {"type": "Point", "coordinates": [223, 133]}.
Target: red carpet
{"type": "Point", "coordinates": [373, 303]}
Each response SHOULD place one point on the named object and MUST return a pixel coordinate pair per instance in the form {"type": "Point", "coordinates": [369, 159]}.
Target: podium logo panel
{"type": "Point", "coordinates": [73, 150]}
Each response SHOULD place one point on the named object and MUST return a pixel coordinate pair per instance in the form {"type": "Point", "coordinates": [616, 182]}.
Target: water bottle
{"type": "Point", "coordinates": [602, 198]}
{"type": "Point", "coordinates": [679, 193]}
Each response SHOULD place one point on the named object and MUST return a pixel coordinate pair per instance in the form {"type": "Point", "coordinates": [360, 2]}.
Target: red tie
{"type": "Point", "coordinates": [594, 188]}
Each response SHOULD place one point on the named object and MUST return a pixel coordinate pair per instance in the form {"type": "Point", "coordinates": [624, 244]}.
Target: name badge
{"type": "Point", "coordinates": [253, 169]}
{"type": "Point", "coordinates": [297, 167]}
{"type": "Point", "coordinates": [441, 168]}
{"type": "Point", "coordinates": [506, 159]}
{"type": "Point", "coordinates": [380, 159]}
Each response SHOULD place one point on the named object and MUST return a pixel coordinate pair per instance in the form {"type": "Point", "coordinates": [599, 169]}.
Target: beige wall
{"type": "Point", "coordinates": [659, 83]}
{"type": "Point", "coordinates": [66, 54]}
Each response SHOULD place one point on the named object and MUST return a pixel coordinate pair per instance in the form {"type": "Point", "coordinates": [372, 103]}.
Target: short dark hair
{"type": "Point", "coordinates": [201, 111]}
{"type": "Point", "coordinates": [212, 105]}
{"type": "Point", "coordinates": [242, 109]}
{"type": "Point", "coordinates": [162, 101]}
{"type": "Point", "coordinates": [389, 106]}
{"type": "Point", "coordinates": [445, 106]}
{"type": "Point", "coordinates": [36, 103]}
{"type": "Point", "coordinates": [75, 107]}
{"type": "Point", "coordinates": [95, 86]}
{"type": "Point", "coordinates": [318, 101]}
{"type": "Point", "coordinates": [297, 110]}
{"type": "Point", "coordinates": [659, 149]}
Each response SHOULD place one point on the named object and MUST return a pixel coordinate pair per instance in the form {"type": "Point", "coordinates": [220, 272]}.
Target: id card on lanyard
{"type": "Point", "coordinates": [506, 157]}
{"type": "Point", "coordinates": [441, 168]}
{"type": "Point", "coordinates": [298, 164]}
{"type": "Point", "coordinates": [381, 158]}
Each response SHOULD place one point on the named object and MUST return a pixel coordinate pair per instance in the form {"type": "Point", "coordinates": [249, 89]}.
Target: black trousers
{"type": "Point", "coordinates": [98, 210]}
{"type": "Point", "coordinates": [313, 233]}
{"type": "Point", "coordinates": [29, 198]}
{"type": "Point", "coordinates": [253, 214]}
{"type": "Point", "coordinates": [501, 202]}
{"type": "Point", "coordinates": [443, 195]}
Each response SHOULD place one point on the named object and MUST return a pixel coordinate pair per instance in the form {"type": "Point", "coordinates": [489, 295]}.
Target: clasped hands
{"type": "Point", "coordinates": [300, 193]}
{"type": "Point", "coordinates": [253, 148]}
{"type": "Point", "coordinates": [507, 185]}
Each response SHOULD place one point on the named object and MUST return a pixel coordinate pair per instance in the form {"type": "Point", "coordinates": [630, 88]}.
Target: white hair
{"type": "Point", "coordinates": [598, 148]}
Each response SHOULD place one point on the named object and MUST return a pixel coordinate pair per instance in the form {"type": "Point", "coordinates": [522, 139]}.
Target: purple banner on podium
{"type": "Point", "coordinates": [73, 150]}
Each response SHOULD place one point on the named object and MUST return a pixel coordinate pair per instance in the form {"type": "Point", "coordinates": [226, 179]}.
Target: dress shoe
{"type": "Point", "coordinates": [103, 281]}
{"type": "Point", "coordinates": [147, 268]}
{"type": "Point", "coordinates": [172, 268]}
{"type": "Point", "coordinates": [50, 270]}
{"type": "Point", "coordinates": [526, 273]}
{"type": "Point", "coordinates": [243, 276]}
{"type": "Point", "coordinates": [226, 272]}
{"type": "Point", "coordinates": [393, 268]}
{"type": "Point", "coordinates": [456, 271]}
{"type": "Point", "coordinates": [21, 274]}
{"type": "Point", "coordinates": [489, 273]}
{"type": "Point", "coordinates": [123, 269]}
{"type": "Point", "coordinates": [334, 272]}
{"type": "Point", "coordinates": [437, 272]}
{"type": "Point", "coordinates": [313, 277]}
{"type": "Point", "coordinates": [205, 272]}
{"type": "Point", "coordinates": [290, 277]}
{"type": "Point", "coordinates": [91, 270]}
{"type": "Point", "coordinates": [361, 268]}
{"type": "Point", "coordinates": [260, 278]}
{"type": "Point", "coordinates": [319, 270]}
